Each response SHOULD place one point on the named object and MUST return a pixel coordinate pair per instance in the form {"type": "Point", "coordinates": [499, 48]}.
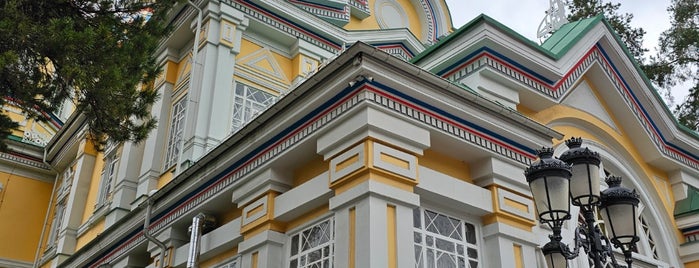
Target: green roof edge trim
{"type": "Point", "coordinates": [482, 18]}
{"type": "Point", "coordinates": [586, 24]}
{"type": "Point", "coordinates": [688, 206]}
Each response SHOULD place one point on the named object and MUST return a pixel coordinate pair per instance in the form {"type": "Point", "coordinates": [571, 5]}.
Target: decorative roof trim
{"type": "Point", "coordinates": [487, 58]}
{"type": "Point", "coordinates": [350, 97]}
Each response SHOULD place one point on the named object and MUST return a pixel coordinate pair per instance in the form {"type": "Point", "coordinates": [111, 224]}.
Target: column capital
{"type": "Point", "coordinates": [376, 124]}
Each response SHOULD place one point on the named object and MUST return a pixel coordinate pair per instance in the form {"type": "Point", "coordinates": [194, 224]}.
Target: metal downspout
{"type": "Point", "coordinates": [48, 211]}
{"type": "Point", "coordinates": [187, 100]}
{"type": "Point", "coordinates": [149, 237]}
{"type": "Point", "coordinates": [195, 240]}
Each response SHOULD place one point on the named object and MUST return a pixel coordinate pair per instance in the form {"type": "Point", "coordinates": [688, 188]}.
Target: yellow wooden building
{"type": "Point", "coordinates": [350, 133]}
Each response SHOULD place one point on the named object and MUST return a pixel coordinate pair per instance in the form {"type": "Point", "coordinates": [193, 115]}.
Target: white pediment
{"type": "Point", "coordinates": [583, 98]}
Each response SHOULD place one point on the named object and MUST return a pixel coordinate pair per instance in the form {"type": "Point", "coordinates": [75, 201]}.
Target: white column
{"type": "Point", "coordinates": [155, 145]}
{"type": "Point", "coordinates": [363, 219]}
{"type": "Point", "coordinates": [210, 103]}
{"type": "Point", "coordinates": [126, 182]}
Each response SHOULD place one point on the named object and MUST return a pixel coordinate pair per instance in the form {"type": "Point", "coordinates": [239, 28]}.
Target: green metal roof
{"type": "Point", "coordinates": [689, 205]}
{"type": "Point", "coordinates": [482, 18]}
{"type": "Point", "coordinates": [564, 38]}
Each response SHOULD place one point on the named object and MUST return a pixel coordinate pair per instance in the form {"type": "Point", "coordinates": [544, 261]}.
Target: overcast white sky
{"type": "Point", "coordinates": [524, 17]}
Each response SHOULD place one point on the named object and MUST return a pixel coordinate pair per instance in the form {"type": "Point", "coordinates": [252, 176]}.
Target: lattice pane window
{"type": "Point", "coordinates": [313, 247]}
{"type": "Point", "coordinates": [57, 222]}
{"type": "Point", "coordinates": [109, 171]}
{"type": "Point", "coordinates": [66, 180]}
{"type": "Point", "coordinates": [176, 132]}
{"type": "Point", "coordinates": [645, 228]}
{"type": "Point", "coordinates": [248, 103]}
{"type": "Point", "coordinates": [442, 241]}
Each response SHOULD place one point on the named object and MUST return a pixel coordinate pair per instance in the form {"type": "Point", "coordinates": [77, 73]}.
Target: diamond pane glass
{"type": "Point", "coordinates": [443, 241]}
{"type": "Point", "coordinates": [247, 104]}
{"type": "Point", "coordinates": [313, 246]}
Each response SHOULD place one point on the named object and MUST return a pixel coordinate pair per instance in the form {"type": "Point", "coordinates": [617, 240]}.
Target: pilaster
{"type": "Point", "coordinates": [211, 95]}
{"type": "Point", "coordinates": [155, 145]}
{"type": "Point", "coordinates": [508, 230]}
{"type": "Point", "coordinates": [263, 234]}
{"type": "Point", "coordinates": [77, 200]}
{"type": "Point", "coordinates": [373, 172]}
{"type": "Point", "coordinates": [126, 183]}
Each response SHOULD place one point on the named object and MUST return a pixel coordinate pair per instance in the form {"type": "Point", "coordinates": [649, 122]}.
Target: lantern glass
{"type": "Point", "coordinates": [551, 195]}
{"type": "Point", "coordinates": [621, 222]}
{"type": "Point", "coordinates": [584, 184]}
{"type": "Point", "coordinates": [556, 260]}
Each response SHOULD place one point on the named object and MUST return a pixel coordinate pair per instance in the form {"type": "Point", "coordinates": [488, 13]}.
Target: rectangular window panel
{"type": "Point", "coordinates": [247, 104]}
{"type": "Point", "coordinates": [107, 182]}
{"type": "Point", "coordinates": [57, 222]}
{"type": "Point", "coordinates": [443, 241]}
{"type": "Point", "coordinates": [176, 132]}
{"type": "Point", "coordinates": [313, 246]}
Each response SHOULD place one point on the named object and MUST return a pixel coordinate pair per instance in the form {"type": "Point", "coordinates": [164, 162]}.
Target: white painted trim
{"type": "Point", "coordinates": [358, 151]}
{"type": "Point", "coordinates": [14, 264]}
{"type": "Point", "coordinates": [503, 193]}
{"type": "Point", "coordinates": [262, 202]}
{"type": "Point", "coordinates": [454, 193]}
{"type": "Point", "coordinates": [212, 243]}
{"type": "Point", "coordinates": [302, 198]}
{"type": "Point", "coordinates": [260, 239]}
{"type": "Point", "coordinates": [371, 122]}
{"type": "Point", "coordinates": [374, 188]}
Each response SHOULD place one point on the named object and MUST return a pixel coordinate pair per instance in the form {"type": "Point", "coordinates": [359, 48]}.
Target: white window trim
{"type": "Point", "coordinates": [463, 218]}
{"type": "Point", "coordinates": [175, 131]}
{"type": "Point", "coordinates": [298, 230]}
{"type": "Point", "coordinates": [107, 179]}
{"type": "Point", "coordinates": [247, 118]}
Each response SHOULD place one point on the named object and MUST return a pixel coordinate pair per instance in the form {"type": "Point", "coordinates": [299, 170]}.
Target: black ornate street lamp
{"type": "Point", "coordinates": [574, 178]}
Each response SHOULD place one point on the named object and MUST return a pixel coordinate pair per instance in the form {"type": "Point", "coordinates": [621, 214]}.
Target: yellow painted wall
{"type": "Point", "coordinates": [694, 264]}
{"type": "Point", "coordinates": [286, 65]}
{"type": "Point", "coordinates": [310, 170]}
{"type": "Point", "coordinates": [166, 177]}
{"type": "Point", "coordinates": [90, 234]}
{"type": "Point", "coordinates": [445, 164]}
{"type": "Point", "coordinates": [44, 129]}
{"type": "Point", "coordinates": [219, 259]}
{"type": "Point", "coordinates": [93, 193]}
{"type": "Point", "coordinates": [23, 205]}
{"type": "Point", "coordinates": [370, 23]}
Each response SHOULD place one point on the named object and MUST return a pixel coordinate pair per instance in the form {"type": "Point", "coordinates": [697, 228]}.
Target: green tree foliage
{"type": "Point", "coordinates": [96, 53]}
{"type": "Point", "coordinates": [678, 58]}
{"type": "Point", "coordinates": [621, 23]}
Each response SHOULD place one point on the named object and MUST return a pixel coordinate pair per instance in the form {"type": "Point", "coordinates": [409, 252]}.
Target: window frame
{"type": "Point", "coordinates": [288, 257]}
{"type": "Point", "coordinates": [476, 223]}
{"type": "Point", "coordinates": [249, 112]}
{"type": "Point", "coordinates": [175, 134]}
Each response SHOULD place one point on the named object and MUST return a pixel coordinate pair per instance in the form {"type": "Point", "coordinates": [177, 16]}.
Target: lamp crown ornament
{"type": "Point", "coordinates": [578, 154]}
{"type": "Point", "coordinates": [547, 165]}
{"type": "Point", "coordinates": [617, 193]}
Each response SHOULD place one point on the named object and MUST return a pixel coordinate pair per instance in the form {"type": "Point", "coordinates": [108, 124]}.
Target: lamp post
{"type": "Point", "coordinates": [574, 178]}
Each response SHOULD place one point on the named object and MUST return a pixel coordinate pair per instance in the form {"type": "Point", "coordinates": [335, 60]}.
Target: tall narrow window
{"type": "Point", "coordinates": [107, 180]}
{"type": "Point", "coordinates": [57, 222]}
{"type": "Point", "coordinates": [176, 132]}
{"type": "Point", "coordinates": [443, 241]}
{"type": "Point", "coordinates": [66, 181]}
{"type": "Point", "coordinates": [248, 102]}
{"type": "Point", "coordinates": [313, 246]}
